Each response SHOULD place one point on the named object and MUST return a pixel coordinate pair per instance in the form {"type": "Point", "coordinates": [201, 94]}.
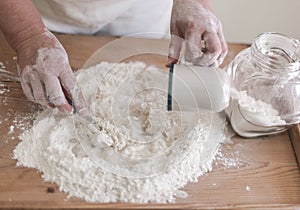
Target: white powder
{"type": "Point", "coordinates": [260, 113]}
{"type": "Point", "coordinates": [140, 152]}
{"type": "Point", "coordinates": [248, 188]}
{"type": "Point", "coordinates": [252, 118]}
{"type": "Point", "coordinates": [19, 120]}
{"type": "Point", "coordinates": [229, 162]}
{"type": "Point", "coordinates": [228, 157]}
{"type": "Point", "coordinates": [11, 129]}
{"type": "Point", "coordinates": [2, 66]}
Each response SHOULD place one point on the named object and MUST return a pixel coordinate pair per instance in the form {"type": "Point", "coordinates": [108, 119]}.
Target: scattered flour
{"type": "Point", "coordinates": [11, 129]}
{"type": "Point", "coordinates": [229, 158]}
{"type": "Point", "coordinates": [228, 162]}
{"type": "Point", "coordinates": [13, 121]}
{"type": "Point", "coordinates": [2, 66]}
{"type": "Point", "coordinates": [3, 74]}
{"type": "Point", "coordinates": [139, 152]}
{"type": "Point", "coordinates": [20, 122]}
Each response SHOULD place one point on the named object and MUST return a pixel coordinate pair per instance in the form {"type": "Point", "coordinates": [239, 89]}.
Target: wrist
{"type": "Point", "coordinates": [21, 38]}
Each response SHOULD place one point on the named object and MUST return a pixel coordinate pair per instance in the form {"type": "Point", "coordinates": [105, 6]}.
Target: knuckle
{"type": "Point", "coordinates": [34, 75]}
{"type": "Point", "coordinates": [213, 25]}
{"type": "Point", "coordinates": [191, 24]}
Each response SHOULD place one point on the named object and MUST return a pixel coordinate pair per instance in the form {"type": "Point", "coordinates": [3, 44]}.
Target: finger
{"type": "Point", "coordinates": [213, 49]}
{"type": "Point", "coordinates": [68, 81]}
{"type": "Point", "coordinates": [28, 91]}
{"type": "Point", "coordinates": [25, 84]}
{"type": "Point", "coordinates": [38, 90]}
{"type": "Point", "coordinates": [174, 50]}
{"type": "Point", "coordinates": [55, 94]}
{"type": "Point", "coordinates": [67, 108]}
{"type": "Point", "coordinates": [223, 46]}
{"type": "Point", "coordinates": [193, 45]}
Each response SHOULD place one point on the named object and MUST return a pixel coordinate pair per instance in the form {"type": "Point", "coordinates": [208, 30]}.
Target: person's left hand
{"type": "Point", "coordinates": [46, 76]}
{"type": "Point", "coordinates": [193, 21]}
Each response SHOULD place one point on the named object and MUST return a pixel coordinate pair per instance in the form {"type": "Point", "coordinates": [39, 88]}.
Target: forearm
{"type": "Point", "coordinates": [19, 21]}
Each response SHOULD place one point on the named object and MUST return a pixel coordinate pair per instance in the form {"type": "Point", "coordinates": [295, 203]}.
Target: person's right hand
{"type": "Point", "coordinates": [193, 21]}
{"type": "Point", "coordinates": [45, 74]}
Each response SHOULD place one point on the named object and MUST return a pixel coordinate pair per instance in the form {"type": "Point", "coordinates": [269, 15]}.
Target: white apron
{"type": "Point", "coordinates": [113, 17]}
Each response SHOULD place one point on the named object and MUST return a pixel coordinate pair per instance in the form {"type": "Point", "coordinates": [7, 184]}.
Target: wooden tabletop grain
{"type": "Point", "coordinates": [249, 173]}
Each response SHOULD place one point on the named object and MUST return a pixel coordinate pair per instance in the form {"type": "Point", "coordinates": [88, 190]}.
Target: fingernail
{"type": "Point", "coordinates": [66, 108]}
{"type": "Point", "coordinates": [171, 61]}
{"type": "Point", "coordinates": [51, 105]}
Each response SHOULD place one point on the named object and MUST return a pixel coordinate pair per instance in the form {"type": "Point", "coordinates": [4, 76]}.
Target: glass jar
{"type": "Point", "coordinates": [265, 94]}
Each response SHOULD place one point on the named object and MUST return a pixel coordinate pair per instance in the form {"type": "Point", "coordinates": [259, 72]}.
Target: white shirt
{"type": "Point", "coordinates": [113, 17]}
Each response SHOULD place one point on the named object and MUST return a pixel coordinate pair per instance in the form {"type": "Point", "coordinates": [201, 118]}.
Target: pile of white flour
{"type": "Point", "coordinates": [133, 151]}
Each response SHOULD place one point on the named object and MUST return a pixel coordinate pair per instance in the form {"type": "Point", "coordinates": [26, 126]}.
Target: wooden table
{"type": "Point", "coordinates": [257, 173]}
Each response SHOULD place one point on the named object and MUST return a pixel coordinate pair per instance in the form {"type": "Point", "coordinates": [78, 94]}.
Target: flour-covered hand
{"type": "Point", "coordinates": [193, 21]}
{"type": "Point", "coordinates": [45, 74]}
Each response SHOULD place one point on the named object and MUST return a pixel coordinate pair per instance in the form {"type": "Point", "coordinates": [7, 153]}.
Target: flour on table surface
{"type": "Point", "coordinates": [133, 151]}
{"type": "Point", "coordinates": [12, 121]}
